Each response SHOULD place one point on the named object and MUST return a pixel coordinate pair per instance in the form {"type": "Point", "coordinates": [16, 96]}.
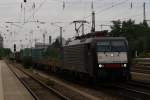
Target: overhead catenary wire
{"type": "Point", "coordinates": [98, 12]}
{"type": "Point", "coordinates": [105, 9]}
{"type": "Point", "coordinates": [36, 10]}
{"type": "Point", "coordinates": [108, 8]}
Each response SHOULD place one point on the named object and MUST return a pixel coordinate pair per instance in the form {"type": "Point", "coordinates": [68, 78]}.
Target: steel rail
{"type": "Point", "coordinates": [133, 90]}
{"type": "Point", "coordinates": [41, 83]}
{"type": "Point", "coordinates": [25, 85]}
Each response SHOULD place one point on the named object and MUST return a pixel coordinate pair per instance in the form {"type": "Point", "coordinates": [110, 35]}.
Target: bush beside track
{"type": "Point", "coordinates": [4, 52]}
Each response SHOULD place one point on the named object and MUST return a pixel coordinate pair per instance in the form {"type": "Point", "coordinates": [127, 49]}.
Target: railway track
{"type": "Point", "coordinates": [139, 84]}
{"type": "Point", "coordinates": [139, 90]}
{"type": "Point", "coordinates": [134, 90]}
{"type": "Point", "coordinates": [141, 65]}
{"type": "Point", "coordinates": [38, 89]}
{"type": "Point", "coordinates": [131, 90]}
{"type": "Point", "coordinates": [141, 69]}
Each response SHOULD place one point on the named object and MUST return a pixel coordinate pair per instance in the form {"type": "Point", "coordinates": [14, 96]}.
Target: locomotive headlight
{"type": "Point", "coordinates": [124, 65]}
{"type": "Point", "coordinates": [100, 65]}
{"type": "Point", "coordinates": [112, 55]}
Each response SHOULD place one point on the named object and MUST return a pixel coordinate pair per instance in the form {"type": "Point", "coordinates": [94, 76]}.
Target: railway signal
{"type": "Point", "coordinates": [14, 47]}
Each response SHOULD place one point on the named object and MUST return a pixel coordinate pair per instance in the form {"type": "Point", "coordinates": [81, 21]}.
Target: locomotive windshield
{"type": "Point", "coordinates": [111, 46]}
{"type": "Point", "coordinates": [118, 46]}
{"type": "Point", "coordinates": [103, 46]}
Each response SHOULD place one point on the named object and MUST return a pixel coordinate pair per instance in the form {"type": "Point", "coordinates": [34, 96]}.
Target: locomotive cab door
{"type": "Point", "coordinates": [92, 59]}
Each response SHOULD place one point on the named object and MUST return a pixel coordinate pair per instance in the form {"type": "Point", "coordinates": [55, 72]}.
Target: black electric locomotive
{"type": "Point", "coordinates": [99, 57]}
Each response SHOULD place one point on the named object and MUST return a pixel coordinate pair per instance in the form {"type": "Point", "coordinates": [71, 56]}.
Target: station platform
{"type": "Point", "coordinates": [10, 87]}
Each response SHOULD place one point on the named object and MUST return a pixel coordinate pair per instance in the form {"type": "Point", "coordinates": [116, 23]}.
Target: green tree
{"type": "Point", "coordinates": [4, 52]}
{"type": "Point", "coordinates": [138, 35]}
{"type": "Point", "coordinates": [57, 43]}
{"type": "Point", "coordinates": [116, 28]}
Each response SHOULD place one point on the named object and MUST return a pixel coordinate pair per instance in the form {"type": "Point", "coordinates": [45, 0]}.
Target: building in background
{"type": "Point", "coordinates": [39, 45]}
{"type": "Point", "coordinates": [1, 41]}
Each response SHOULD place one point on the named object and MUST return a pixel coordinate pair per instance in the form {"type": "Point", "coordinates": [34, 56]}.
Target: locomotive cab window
{"type": "Point", "coordinates": [103, 46]}
{"type": "Point", "coordinates": [118, 46]}
{"type": "Point", "coordinates": [111, 46]}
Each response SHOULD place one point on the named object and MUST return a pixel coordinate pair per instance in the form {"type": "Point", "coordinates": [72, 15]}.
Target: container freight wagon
{"type": "Point", "coordinates": [105, 57]}
{"type": "Point", "coordinates": [25, 56]}
{"type": "Point", "coordinates": [25, 52]}
{"type": "Point", "coordinates": [46, 60]}
{"type": "Point", "coordinates": [37, 56]}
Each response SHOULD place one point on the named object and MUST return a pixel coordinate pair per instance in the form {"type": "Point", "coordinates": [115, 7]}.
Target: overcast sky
{"type": "Point", "coordinates": [51, 11]}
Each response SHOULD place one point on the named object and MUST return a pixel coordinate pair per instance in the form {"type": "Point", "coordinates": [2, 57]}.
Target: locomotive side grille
{"type": "Point", "coordinates": [74, 57]}
{"type": "Point", "coordinates": [73, 54]}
